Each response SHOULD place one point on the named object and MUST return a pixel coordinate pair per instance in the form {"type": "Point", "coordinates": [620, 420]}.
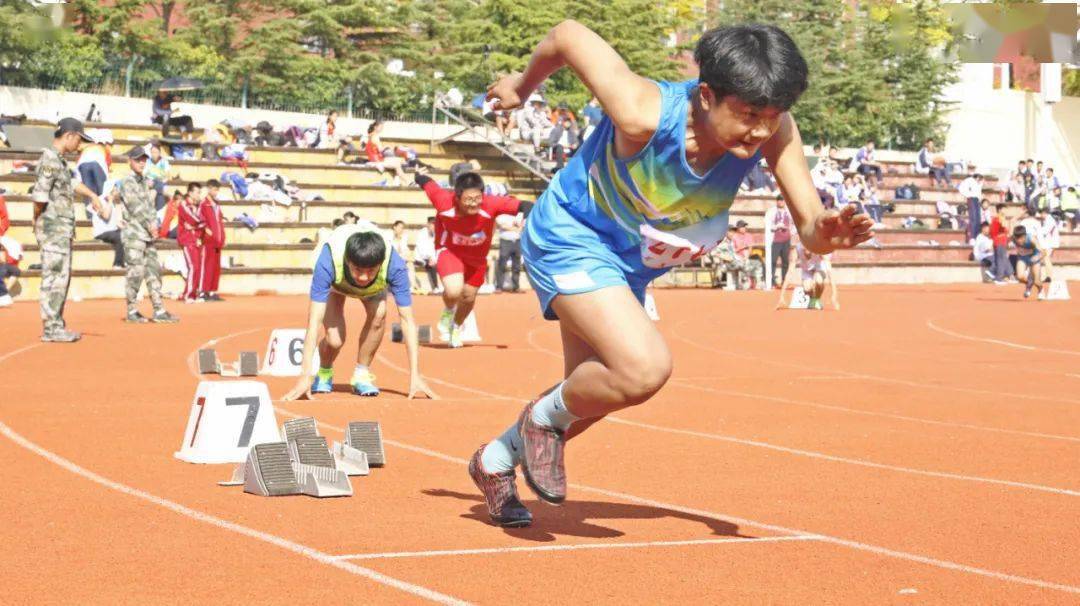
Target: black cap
{"type": "Point", "coordinates": [72, 125]}
{"type": "Point", "coordinates": [137, 152]}
{"type": "Point", "coordinates": [740, 223]}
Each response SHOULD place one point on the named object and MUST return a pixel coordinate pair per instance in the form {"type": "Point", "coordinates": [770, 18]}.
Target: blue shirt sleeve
{"type": "Point", "coordinates": [323, 276]}
{"type": "Point", "coordinates": [398, 280]}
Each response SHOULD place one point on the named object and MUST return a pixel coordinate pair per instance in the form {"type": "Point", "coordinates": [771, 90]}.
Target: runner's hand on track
{"type": "Point", "coordinates": [301, 391]}
{"type": "Point", "coordinates": [418, 386]}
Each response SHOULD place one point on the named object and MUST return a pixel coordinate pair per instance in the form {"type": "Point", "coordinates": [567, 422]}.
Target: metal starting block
{"type": "Point", "coordinates": [350, 460]}
{"type": "Point", "coordinates": [208, 362]}
{"type": "Point", "coordinates": [302, 466]}
{"type": "Point", "coordinates": [319, 481]}
{"type": "Point", "coordinates": [423, 333]}
{"type": "Point", "coordinates": [247, 366]}
{"type": "Point", "coordinates": [297, 428]}
{"type": "Point", "coordinates": [268, 471]}
{"type": "Point", "coordinates": [366, 436]}
{"type": "Point", "coordinates": [311, 450]}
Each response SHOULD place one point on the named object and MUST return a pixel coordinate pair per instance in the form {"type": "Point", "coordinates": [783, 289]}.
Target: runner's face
{"type": "Point", "coordinates": [362, 276]}
{"type": "Point", "coordinates": [739, 127]}
{"type": "Point", "coordinates": [470, 201]}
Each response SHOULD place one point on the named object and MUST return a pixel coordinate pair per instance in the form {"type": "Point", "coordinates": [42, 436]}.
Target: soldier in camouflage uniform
{"type": "Point", "coordinates": [138, 231]}
{"type": "Point", "coordinates": [53, 194]}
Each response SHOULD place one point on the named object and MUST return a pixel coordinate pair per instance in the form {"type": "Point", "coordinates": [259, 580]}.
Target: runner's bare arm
{"type": "Point", "coordinates": [821, 231]}
{"type": "Point", "coordinates": [632, 102]}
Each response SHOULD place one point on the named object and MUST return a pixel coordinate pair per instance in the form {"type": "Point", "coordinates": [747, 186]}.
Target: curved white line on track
{"type": "Point", "coordinates": [853, 375]}
{"type": "Point", "coordinates": [297, 548]}
{"type": "Point", "coordinates": [740, 394]}
{"type": "Point", "coordinates": [945, 331]}
{"type": "Point", "coordinates": [682, 382]}
{"type": "Point", "coordinates": [827, 457]}
{"type": "Point", "coordinates": [865, 547]}
{"type": "Point", "coordinates": [567, 547]}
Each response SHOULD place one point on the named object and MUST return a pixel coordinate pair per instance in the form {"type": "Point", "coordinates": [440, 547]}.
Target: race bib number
{"type": "Point", "coordinates": [467, 240]}
{"type": "Point", "coordinates": [661, 249]}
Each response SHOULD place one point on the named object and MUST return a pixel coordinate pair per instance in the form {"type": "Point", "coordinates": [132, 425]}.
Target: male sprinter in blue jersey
{"type": "Point", "coordinates": [649, 190]}
{"type": "Point", "coordinates": [357, 261]}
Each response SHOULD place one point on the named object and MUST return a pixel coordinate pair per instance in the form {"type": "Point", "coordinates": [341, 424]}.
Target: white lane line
{"type": "Point", "coordinates": [919, 384]}
{"type": "Point", "coordinates": [212, 520]}
{"type": "Point", "coordinates": [856, 411]}
{"type": "Point", "coordinates": [266, 537]}
{"type": "Point", "coordinates": [866, 547]}
{"type": "Point", "coordinates": [827, 457]}
{"type": "Point", "coordinates": [568, 547]}
{"type": "Point", "coordinates": [766, 445]}
{"type": "Point", "coordinates": [911, 557]}
{"type": "Point", "coordinates": [930, 324]}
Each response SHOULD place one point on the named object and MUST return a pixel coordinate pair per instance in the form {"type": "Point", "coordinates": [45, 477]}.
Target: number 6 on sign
{"type": "Point", "coordinates": [226, 419]}
{"type": "Point", "coordinates": [285, 353]}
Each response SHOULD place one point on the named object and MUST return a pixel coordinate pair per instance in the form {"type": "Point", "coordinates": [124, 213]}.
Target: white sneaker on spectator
{"type": "Point", "coordinates": [5, 301]}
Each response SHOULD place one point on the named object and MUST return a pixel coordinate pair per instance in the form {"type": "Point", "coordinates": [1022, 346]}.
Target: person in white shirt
{"type": "Point", "coordinates": [424, 257]}
{"type": "Point", "coordinates": [971, 189]}
{"type": "Point", "coordinates": [106, 226]}
{"type": "Point", "coordinates": [1050, 237]}
{"type": "Point", "coordinates": [983, 251]}
{"type": "Point", "coordinates": [534, 122]}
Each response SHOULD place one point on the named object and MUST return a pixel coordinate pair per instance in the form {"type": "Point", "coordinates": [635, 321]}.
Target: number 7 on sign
{"type": "Point", "coordinates": [252, 402]}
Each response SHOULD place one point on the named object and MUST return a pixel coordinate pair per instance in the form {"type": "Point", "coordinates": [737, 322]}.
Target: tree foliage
{"type": "Point", "coordinates": [874, 71]}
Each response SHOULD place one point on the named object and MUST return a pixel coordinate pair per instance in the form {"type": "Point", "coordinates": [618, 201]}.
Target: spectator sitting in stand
{"type": "Point", "coordinates": [157, 171]}
{"type": "Point", "coordinates": [328, 131]}
{"type": "Point", "coordinates": [349, 218]}
{"type": "Point", "coordinates": [870, 200]}
{"type": "Point", "coordinates": [503, 120]}
{"type": "Point", "coordinates": [167, 117]}
{"type": "Point", "coordinates": [10, 254]}
{"type": "Point", "coordinates": [1070, 206]}
{"type": "Point", "coordinates": [563, 141]}
{"type": "Point", "coordinates": [865, 164]}
{"type": "Point", "coordinates": [929, 162]}
{"type": "Point", "coordinates": [947, 215]}
{"type": "Point", "coordinates": [347, 152]}
{"type": "Point", "coordinates": [534, 122]}
{"type": "Point", "coordinates": [266, 137]}
{"type": "Point", "coordinates": [1014, 190]}
{"type": "Point", "coordinates": [1050, 181]}
{"type": "Point", "coordinates": [376, 158]}
{"type": "Point", "coordinates": [105, 225]}
{"type": "Point", "coordinates": [983, 252]}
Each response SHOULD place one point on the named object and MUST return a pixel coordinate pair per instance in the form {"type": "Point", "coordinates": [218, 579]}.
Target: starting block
{"type": "Point", "coordinates": [268, 471]}
{"type": "Point", "coordinates": [273, 469]}
{"type": "Point", "coordinates": [298, 428]}
{"type": "Point", "coordinates": [208, 362]}
{"type": "Point", "coordinates": [470, 332]}
{"type": "Point", "coordinates": [363, 448]}
{"type": "Point", "coordinates": [246, 366]}
{"type": "Point", "coordinates": [423, 333]}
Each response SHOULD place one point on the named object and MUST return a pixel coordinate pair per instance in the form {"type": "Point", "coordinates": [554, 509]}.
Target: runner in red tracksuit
{"type": "Point", "coordinates": [463, 228]}
{"type": "Point", "coordinates": [213, 242]}
{"type": "Point", "coordinates": [189, 236]}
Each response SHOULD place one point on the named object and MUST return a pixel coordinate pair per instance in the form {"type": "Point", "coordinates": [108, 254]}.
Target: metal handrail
{"type": "Point", "coordinates": [482, 133]}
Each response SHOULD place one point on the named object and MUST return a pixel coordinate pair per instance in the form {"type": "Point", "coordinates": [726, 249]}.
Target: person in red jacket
{"type": "Point", "coordinates": [463, 228]}
{"type": "Point", "coordinates": [999, 233]}
{"type": "Point", "coordinates": [5, 220]}
{"type": "Point", "coordinates": [213, 241]}
{"type": "Point", "coordinates": [189, 236]}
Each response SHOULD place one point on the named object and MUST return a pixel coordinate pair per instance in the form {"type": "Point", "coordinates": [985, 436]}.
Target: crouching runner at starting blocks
{"type": "Point", "coordinates": [356, 261]}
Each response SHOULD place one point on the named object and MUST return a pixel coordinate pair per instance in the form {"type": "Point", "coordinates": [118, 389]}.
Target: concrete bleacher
{"type": "Point", "coordinates": [276, 257]}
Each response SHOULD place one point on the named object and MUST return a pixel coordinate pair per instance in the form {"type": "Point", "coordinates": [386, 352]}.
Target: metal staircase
{"type": "Point", "coordinates": [473, 123]}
